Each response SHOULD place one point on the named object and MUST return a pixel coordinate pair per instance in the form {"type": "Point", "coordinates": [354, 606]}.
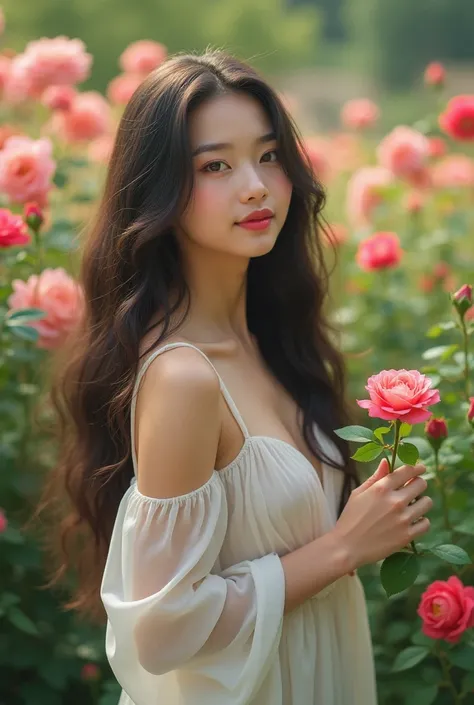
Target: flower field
{"type": "Point", "coordinates": [400, 245]}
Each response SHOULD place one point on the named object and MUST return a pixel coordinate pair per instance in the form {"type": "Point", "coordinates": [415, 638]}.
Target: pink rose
{"type": "Point", "coordinates": [122, 87]}
{"type": "Point", "coordinates": [403, 395]}
{"type": "Point", "coordinates": [464, 294]}
{"type": "Point", "coordinates": [414, 202]}
{"type": "Point", "coordinates": [435, 74]}
{"type": "Point", "coordinates": [90, 672]}
{"type": "Point", "coordinates": [365, 192]}
{"type": "Point", "coordinates": [12, 230]}
{"type": "Point", "coordinates": [58, 97]}
{"type": "Point", "coordinates": [458, 118]}
{"type": "Point", "coordinates": [454, 171]}
{"type": "Point", "coordinates": [142, 57]}
{"type": "Point", "coordinates": [404, 152]}
{"type": "Point", "coordinates": [100, 149]}
{"type": "Point", "coordinates": [469, 315]}
{"type": "Point", "coordinates": [3, 521]}
{"type": "Point", "coordinates": [51, 62]}
{"type": "Point", "coordinates": [335, 234]}
{"type": "Point", "coordinates": [26, 169]}
{"type": "Point", "coordinates": [5, 68]}
{"type": "Point", "coordinates": [437, 147]}
{"type": "Point", "coordinates": [345, 151]}
{"type": "Point", "coordinates": [379, 251]}
{"type": "Point", "coordinates": [316, 149]}
{"type": "Point", "coordinates": [436, 428]}
{"type": "Point", "coordinates": [88, 117]}
{"type": "Point", "coordinates": [447, 609]}
{"type": "Point", "coordinates": [58, 295]}
{"type": "Point", "coordinates": [470, 411]}
{"type": "Point", "coordinates": [360, 113]}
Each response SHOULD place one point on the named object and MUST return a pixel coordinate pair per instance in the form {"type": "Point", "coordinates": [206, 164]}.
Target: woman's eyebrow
{"type": "Point", "coordinates": [213, 147]}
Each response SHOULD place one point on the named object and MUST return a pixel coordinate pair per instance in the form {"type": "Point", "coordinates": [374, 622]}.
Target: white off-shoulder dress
{"type": "Point", "coordinates": [194, 588]}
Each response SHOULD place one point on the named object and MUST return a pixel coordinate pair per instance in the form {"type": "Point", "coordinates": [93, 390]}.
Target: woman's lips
{"type": "Point", "coordinates": [261, 224]}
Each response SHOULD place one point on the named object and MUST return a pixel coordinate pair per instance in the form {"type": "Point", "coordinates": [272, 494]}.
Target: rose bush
{"type": "Point", "coordinates": [402, 298]}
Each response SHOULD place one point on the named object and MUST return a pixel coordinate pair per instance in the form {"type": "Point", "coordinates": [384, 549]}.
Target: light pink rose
{"type": "Point", "coordinates": [88, 117]}
{"type": "Point", "coordinates": [58, 97]}
{"type": "Point", "coordinates": [403, 395]}
{"type": "Point", "coordinates": [469, 315]}
{"type": "Point", "coordinates": [317, 151]}
{"type": "Point", "coordinates": [122, 87]}
{"type": "Point", "coordinates": [100, 149]}
{"type": "Point", "coordinates": [435, 74]}
{"type": "Point", "coordinates": [51, 62]}
{"type": "Point", "coordinates": [56, 293]}
{"type": "Point", "coordinates": [447, 609]}
{"type": "Point", "coordinates": [438, 147]}
{"type": "Point", "coordinates": [345, 152]}
{"type": "Point", "coordinates": [404, 152]}
{"type": "Point", "coordinates": [379, 251]}
{"type": "Point", "coordinates": [454, 171]}
{"type": "Point", "coordinates": [142, 57]}
{"type": "Point", "coordinates": [414, 201]}
{"type": "Point", "coordinates": [335, 234]}
{"type": "Point", "coordinates": [360, 113]}
{"type": "Point", "coordinates": [13, 229]}
{"type": "Point", "coordinates": [26, 169]}
{"type": "Point", "coordinates": [365, 192]}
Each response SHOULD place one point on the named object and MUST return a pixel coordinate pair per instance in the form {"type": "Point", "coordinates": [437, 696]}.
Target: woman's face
{"type": "Point", "coordinates": [236, 172]}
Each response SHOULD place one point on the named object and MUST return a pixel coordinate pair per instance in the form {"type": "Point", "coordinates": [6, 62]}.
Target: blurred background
{"type": "Point", "coordinates": [369, 84]}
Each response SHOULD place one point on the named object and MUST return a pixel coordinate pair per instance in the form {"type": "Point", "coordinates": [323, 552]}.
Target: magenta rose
{"type": "Point", "coordinates": [403, 395]}
{"type": "Point", "coordinates": [447, 609]}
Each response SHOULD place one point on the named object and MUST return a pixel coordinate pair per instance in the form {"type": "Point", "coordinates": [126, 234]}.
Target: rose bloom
{"type": "Point", "coordinates": [52, 62]}
{"type": "Point", "coordinates": [100, 149]}
{"type": "Point", "coordinates": [7, 131]}
{"type": "Point", "coordinates": [400, 395]}
{"type": "Point", "coordinates": [345, 151]}
{"type": "Point", "coordinates": [58, 295]}
{"type": "Point", "coordinates": [379, 251]}
{"type": "Point", "coordinates": [465, 292]}
{"type": "Point", "coordinates": [90, 672]}
{"type": "Point", "coordinates": [470, 411]}
{"type": "Point", "coordinates": [88, 117]}
{"type": "Point", "coordinates": [469, 315]}
{"type": "Point", "coordinates": [437, 147]}
{"type": "Point", "coordinates": [3, 521]}
{"type": "Point", "coordinates": [365, 193]}
{"type": "Point", "coordinates": [414, 202]}
{"type": "Point", "coordinates": [122, 87]}
{"type": "Point", "coordinates": [454, 171]}
{"type": "Point", "coordinates": [360, 113]}
{"type": "Point", "coordinates": [447, 609]}
{"type": "Point", "coordinates": [436, 428]}
{"type": "Point", "coordinates": [404, 152]}
{"type": "Point", "coordinates": [316, 150]}
{"type": "Point", "coordinates": [13, 229]}
{"type": "Point", "coordinates": [58, 97]}
{"type": "Point", "coordinates": [435, 74]}
{"type": "Point", "coordinates": [458, 118]}
{"type": "Point", "coordinates": [26, 169]}
{"type": "Point", "coordinates": [335, 234]}
{"type": "Point", "coordinates": [142, 57]}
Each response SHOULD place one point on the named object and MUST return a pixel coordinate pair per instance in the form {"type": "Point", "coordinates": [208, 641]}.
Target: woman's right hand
{"type": "Point", "coordinates": [378, 518]}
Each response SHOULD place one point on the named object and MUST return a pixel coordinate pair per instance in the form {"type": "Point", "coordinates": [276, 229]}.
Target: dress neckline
{"type": "Point", "coordinates": [248, 438]}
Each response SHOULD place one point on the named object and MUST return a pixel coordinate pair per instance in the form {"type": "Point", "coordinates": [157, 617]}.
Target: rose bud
{"type": "Point", "coordinates": [435, 74]}
{"type": "Point", "coordinates": [462, 299]}
{"type": "Point", "coordinates": [470, 411]}
{"type": "Point", "coordinates": [33, 216]}
{"type": "Point", "coordinates": [436, 431]}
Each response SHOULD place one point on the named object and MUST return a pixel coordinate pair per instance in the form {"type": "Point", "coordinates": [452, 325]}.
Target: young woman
{"type": "Point", "coordinates": [227, 519]}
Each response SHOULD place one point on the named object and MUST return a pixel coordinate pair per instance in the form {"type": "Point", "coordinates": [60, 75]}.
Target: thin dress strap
{"type": "Point", "coordinates": [143, 369]}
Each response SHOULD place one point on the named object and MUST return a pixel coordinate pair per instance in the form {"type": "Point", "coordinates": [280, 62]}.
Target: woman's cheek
{"type": "Point", "coordinates": [207, 198]}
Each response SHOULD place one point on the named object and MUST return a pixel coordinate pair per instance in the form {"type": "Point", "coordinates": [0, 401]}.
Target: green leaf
{"type": "Point", "coordinates": [452, 554]}
{"type": "Point", "coordinates": [410, 657]}
{"type": "Point", "coordinates": [443, 352]}
{"type": "Point", "coordinates": [468, 683]}
{"type": "Point", "coordinates": [436, 330]}
{"type": "Point", "coordinates": [466, 526]}
{"type": "Point", "coordinates": [380, 432]}
{"type": "Point", "coordinates": [25, 314]}
{"type": "Point", "coordinates": [405, 430]}
{"type": "Point", "coordinates": [21, 621]}
{"type": "Point", "coordinates": [398, 572]}
{"type": "Point", "coordinates": [368, 452]}
{"type": "Point", "coordinates": [462, 657]}
{"type": "Point", "coordinates": [408, 453]}
{"type": "Point", "coordinates": [25, 333]}
{"type": "Point", "coordinates": [425, 694]}
{"type": "Point", "coordinates": [358, 434]}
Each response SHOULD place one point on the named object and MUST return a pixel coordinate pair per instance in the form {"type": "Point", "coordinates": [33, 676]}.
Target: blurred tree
{"type": "Point", "coordinates": [267, 32]}
{"type": "Point", "coordinates": [397, 38]}
{"type": "Point", "coordinates": [333, 27]}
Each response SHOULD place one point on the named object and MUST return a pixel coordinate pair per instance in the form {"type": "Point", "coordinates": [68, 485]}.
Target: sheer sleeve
{"type": "Point", "coordinates": [172, 610]}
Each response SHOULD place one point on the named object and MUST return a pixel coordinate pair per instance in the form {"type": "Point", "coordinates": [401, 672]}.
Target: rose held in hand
{"type": "Point", "coordinates": [403, 395]}
{"type": "Point", "coordinates": [447, 609]}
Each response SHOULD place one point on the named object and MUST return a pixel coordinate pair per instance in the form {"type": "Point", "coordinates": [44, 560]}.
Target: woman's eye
{"type": "Point", "coordinates": [211, 164]}
{"type": "Point", "coordinates": [273, 151]}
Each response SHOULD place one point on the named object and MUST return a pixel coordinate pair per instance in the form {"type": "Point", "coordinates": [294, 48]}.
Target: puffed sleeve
{"type": "Point", "coordinates": [178, 627]}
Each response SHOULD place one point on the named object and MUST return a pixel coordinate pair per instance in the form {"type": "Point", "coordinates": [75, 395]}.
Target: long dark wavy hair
{"type": "Point", "coordinates": [130, 263]}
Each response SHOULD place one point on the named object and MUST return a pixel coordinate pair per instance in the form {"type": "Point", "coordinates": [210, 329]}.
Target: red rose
{"type": "Point", "coordinates": [379, 251]}
{"type": "Point", "coordinates": [458, 118]}
{"type": "Point", "coordinates": [12, 229]}
{"type": "Point", "coordinates": [436, 428]}
{"type": "Point", "coordinates": [447, 609]}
